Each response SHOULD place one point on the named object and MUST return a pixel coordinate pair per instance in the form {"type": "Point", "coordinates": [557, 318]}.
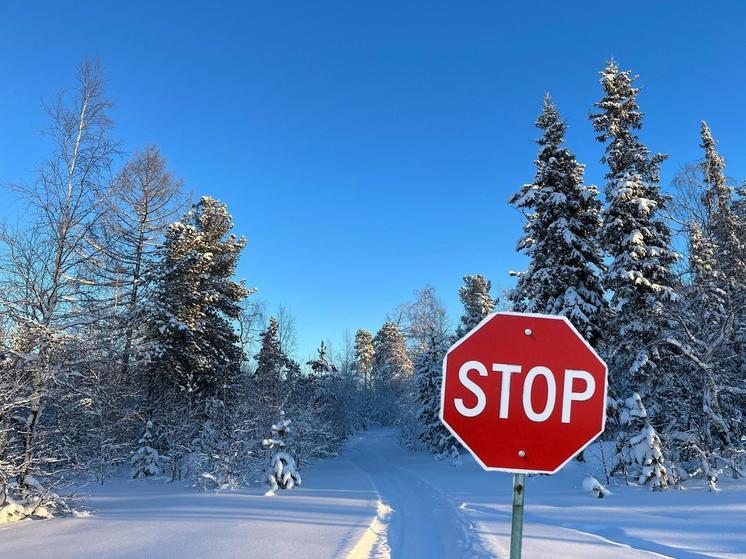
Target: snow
{"type": "Point", "coordinates": [380, 500]}
{"type": "Point", "coordinates": [159, 520]}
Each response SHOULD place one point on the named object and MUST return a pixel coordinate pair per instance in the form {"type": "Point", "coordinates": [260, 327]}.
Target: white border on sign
{"type": "Point", "coordinates": [529, 315]}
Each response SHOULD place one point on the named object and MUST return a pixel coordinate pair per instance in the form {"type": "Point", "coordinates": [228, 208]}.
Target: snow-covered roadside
{"type": "Point", "coordinates": [564, 520]}
{"type": "Point", "coordinates": [323, 518]}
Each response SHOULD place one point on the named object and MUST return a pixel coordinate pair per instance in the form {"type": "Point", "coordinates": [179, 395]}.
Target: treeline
{"type": "Point", "coordinates": [672, 327]}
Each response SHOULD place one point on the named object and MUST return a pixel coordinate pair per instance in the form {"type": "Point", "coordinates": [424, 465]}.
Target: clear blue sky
{"type": "Point", "coordinates": [368, 148]}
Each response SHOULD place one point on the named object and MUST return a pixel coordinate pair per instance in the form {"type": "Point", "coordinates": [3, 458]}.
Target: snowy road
{"type": "Point", "coordinates": [422, 522]}
{"type": "Point", "coordinates": [380, 501]}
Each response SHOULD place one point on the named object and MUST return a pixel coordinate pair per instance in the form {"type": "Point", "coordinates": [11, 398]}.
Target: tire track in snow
{"type": "Point", "coordinates": [422, 521]}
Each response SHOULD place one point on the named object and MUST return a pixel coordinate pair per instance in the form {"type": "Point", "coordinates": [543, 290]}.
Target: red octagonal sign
{"type": "Point", "coordinates": [524, 392]}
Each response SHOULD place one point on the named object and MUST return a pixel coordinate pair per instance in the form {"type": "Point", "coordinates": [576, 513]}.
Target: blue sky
{"type": "Point", "coordinates": [366, 149]}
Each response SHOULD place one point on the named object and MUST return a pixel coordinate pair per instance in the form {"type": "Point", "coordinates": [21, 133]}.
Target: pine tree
{"type": "Point", "coordinates": [326, 382]}
{"type": "Point", "coordinates": [322, 365]}
{"type": "Point", "coordinates": [477, 302]}
{"type": "Point", "coordinates": [146, 462]}
{"type": "Point", "coordinates": [718, 200]}
{"type": "Point", "coordinates": [392, 370]}
{"type": "Point", "coordinates": [637, 239]}
{"type": "Point", "coordinates": [428, 378]}
{"type": "Point", "coordinates": [191, 338]}
{"type": "Point", "coordinates": [640, 454]}
{"type": "Point", "coordinates": [364, 353]}
{"type": "Point", "coordinates": [273, 366]}
{"type": "Point", "coordinates": [562, 222]}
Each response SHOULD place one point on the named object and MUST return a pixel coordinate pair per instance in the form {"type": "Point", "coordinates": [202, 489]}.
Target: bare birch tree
{"type": "Point", "coordinates": [42, 266]}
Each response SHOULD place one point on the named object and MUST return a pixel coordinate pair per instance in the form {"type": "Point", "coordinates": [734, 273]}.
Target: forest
{"type": "Point", "coordinates": [129, 346]}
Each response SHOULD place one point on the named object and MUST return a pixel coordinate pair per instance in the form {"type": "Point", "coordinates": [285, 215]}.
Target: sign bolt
{"type": "Point", "coordinates": [522, 453]}
{"type": "Point", "coordinates": [528, 331]}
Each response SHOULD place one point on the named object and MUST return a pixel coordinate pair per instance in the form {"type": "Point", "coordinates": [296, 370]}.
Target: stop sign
{"type": "Point", "coordinates": [524, 392]}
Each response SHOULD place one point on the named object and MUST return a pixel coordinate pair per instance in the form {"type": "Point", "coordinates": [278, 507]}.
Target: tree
{"type": "Point", "coordinates": [637, 239]}
{"type": "Point", "coordinates": [562, 220]}
{"type": "Point", "coordinates": [191, 340]}
{"type": "Point", "coordinates": [364, 356]}
{"type": "Point", "coordinates": [273, 364]}
{"type": "Point", "coordinates": [723, 227]}
{"type": "Point", "coordinates": [641, 454]}
{"type": "Point", "coordinates": [145, 198]}
{"type": "Point", "coordinates": [146, 462]}
{"type": "Point", "coordinates": [707, 424]}
{"type": "Point", "coordinates": [322, 365]}
{"type": "Point", "coordinates": [392, 370]}
{"type": "Point", "coordinates": [43, 268]}
{"type": "Point", "coordinates": [428, 379]}
{"type": "Point", "coordinates": [726, 231]}
{"type": "Point", "coordinates": [422, 320]}
{"type": "Point", "coordinates": [477, 302]}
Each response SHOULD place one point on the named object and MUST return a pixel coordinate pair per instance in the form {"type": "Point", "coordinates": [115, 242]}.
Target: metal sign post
{"type": "Point", "coordinates": [516, 528]}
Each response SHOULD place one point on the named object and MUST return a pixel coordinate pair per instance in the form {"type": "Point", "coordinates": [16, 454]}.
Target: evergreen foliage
{"type": "Point", "coordinates": [562, 222]}
{"type": "Point", "coordinates": [392, 370]}
{"type": "Point", "coordinates": [364, 354]}
{"type": "Point", "coordinates": [640, 454]}
{"type": "Point", "coordinates": [636, 238]}
{"type": "Point", "coordinates": [282, 472]}
{"type": "Point", "coordinates": [191, 340]}
{"type": "Point", "coordinates": [272, 365]}
{"type": "Point", "coordinates": [477, 302]}
{"type": "Point", "coordinates": [146, 462]}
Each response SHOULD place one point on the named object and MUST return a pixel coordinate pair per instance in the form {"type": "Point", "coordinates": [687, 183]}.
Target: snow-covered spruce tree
{"type": "Point", "coordinates": [322, 365]}
{"type": "Point", "coordinates": [477, 302]}
{"type": "Point", "coordinates": [146, 462]}
{"type": "Point", "coordinates": [723, 227]}
{"type": "Point", "coordinates": [637, 239]}
{"type": "Point", "coordinates": [191, 341]}
{"type": "Point", "coordinates": [392, 371]}
{"type": "Point", "coordinates": [640, 454]}
{"type": "Point", "coordinates": [272, 365]}
{"type": "Point", "coordinates": [428, 378]}
{"type": "Point", "coordinates": [364, 352]}
{"type": "Point", "coordinates": [563, 217]}
{"type": "Point", "coordinates": [327, 394]}
{"type": "Point", "coordinates": [282, 473]}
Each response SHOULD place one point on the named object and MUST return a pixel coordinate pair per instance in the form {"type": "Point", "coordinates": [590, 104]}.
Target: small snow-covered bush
{"type": "Point", "coordinates": [146, 462]}
{"type": "Point", "coordinates": [639, 451]}
{"type": "Point", "coordinates": [282, 472]}
{"type": "Point", "coordinates": [592, 485]}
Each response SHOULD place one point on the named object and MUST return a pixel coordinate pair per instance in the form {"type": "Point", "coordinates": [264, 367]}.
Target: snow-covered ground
{"type": "Point", "coordinates": [378, 500]}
